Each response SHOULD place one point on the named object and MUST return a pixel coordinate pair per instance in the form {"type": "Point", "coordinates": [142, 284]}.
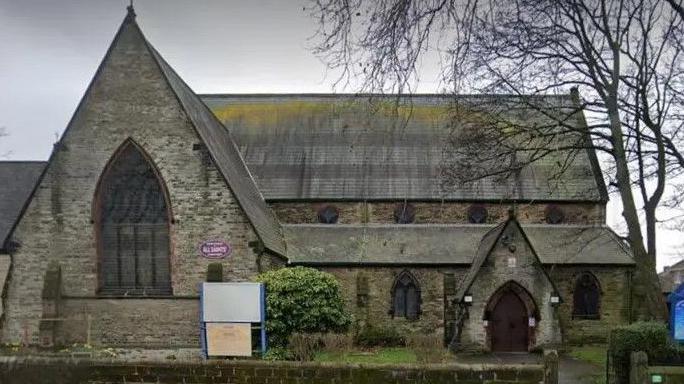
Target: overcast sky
{"type": "Point", "coordinates": [49, 51]}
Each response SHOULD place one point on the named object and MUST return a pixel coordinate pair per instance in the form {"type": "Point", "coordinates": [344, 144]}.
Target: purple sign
{"type": "Point", "coordinates": [215, 249]}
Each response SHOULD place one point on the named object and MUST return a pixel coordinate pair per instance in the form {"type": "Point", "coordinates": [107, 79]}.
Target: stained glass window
{"type": "Point", "coordinates": [406, 297]}
{"type": "Point", "coordinates": [134, 227]}
{"type": "Point", "coordinates": [586, 298]}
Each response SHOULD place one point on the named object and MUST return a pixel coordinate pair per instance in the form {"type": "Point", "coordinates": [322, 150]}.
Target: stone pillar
{"type": "Point", "coordinates": [551, 367]}
{"type": "Point", "coordinates": [51, 296]}
{"type": "Point", "coordinates": [638, 368]}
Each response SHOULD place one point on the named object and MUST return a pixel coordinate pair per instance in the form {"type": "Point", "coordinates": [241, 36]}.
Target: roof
{"type": "Point", "coordinates": [18, 179]}
{"type": "Point", "coordinates": [444, 244]}
{"type": "Point", "coordinates": [347, 147]}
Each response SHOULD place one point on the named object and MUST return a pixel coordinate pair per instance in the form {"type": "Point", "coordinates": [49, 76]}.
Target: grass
{"type": "Point", "coordinates": [376, 356]}
{"type": "Point", "coordinates": [593, 354]}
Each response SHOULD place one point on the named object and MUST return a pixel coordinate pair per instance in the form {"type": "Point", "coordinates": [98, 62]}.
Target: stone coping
{"type": "Point", "coordinates": [80, 361]}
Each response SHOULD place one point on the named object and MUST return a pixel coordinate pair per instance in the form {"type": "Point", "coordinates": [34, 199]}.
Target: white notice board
{"type": "Point", "coordinates": [232, 302]}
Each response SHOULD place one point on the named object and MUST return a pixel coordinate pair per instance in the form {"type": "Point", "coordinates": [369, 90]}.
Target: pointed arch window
{"type": "Point", "coordinates": [406, 297]}
{"type": "Point", "coordinates": [133, 222]}
{"type": "Point", "coordinates": [587, 297]}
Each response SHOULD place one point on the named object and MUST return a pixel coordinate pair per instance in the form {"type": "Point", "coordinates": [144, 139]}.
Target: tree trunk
{"type": "Point", "coordinates": [648, 302]}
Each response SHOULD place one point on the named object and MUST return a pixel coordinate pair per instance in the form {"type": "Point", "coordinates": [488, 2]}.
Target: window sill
{"type": "Point", "coordinates": [103, 296]}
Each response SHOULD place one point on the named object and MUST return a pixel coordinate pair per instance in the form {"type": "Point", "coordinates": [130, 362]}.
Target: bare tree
{"type": "Point", "coordinates": [625, 56]}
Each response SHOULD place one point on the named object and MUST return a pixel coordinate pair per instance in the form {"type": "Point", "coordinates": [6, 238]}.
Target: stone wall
{"type": "Point", "coordinates": [438, 289]}
{"type": "Point", "coordinates": [129, 99]}
{"type": "Point", "coordinates": [148, 323]}
{"type": "Point", "coordinates": [613, 307]}
{"type": "Point", "coordinates": [62, 371]}
{"type": "Point", "coordinates": [435, 213]}
{"type": "Point", "coordinates": [375, 283]}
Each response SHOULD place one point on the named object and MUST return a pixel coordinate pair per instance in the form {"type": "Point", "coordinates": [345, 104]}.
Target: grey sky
{"type": "Point", "coordinates": [49, 51]}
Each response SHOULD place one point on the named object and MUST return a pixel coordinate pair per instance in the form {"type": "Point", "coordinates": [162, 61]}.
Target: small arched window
{"type": "Point", "coordinates": [587, 297]}
{"type": "Point", "coordinates": [406, 297]}
{"type": "Point", "coordinates": [133, 223]}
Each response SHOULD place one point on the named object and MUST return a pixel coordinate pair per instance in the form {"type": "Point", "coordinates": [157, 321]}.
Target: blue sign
{"type": "Point", "coordinates": [678, 323]}
{"type": "Point", "coordinates": [676, 300]}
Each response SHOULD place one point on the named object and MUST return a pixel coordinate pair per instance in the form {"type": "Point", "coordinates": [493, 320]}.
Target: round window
{"type": "Point", "coordinates": [554, 214]}
{"type": "Point", "coordinates": [328, 215]}
{"type": "Point", "coordinates": [404, 213]}
{"type": "Point", "coordinates": [477, 214]}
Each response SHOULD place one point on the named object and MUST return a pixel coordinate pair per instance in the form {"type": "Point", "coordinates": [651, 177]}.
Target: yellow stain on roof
{"type": "Point", "coordinates": [272, 113]}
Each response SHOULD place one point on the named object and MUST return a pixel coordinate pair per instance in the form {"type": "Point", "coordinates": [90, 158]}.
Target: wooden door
{"type": "Point", "coordinates": [509, 324]}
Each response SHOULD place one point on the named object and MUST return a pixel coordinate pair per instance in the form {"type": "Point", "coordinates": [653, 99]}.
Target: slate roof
{"type": "Point", "coordinates": [18, 179]}
{"type": "Point", "coordinates": [225, 155]}
{"type": "Point", "coordinates": [443, 244]}
{"type": "Point", "coordinates": [346, 147]}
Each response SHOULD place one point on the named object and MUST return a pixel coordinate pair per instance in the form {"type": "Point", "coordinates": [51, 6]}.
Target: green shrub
{"type": "Point", "coordinates": [378, 336]}
{"type": "Point", "coordinates": [651, 337]}
{"type": "Point", "coordinates": [302, 300]}
{"type": "Point", "coordinates": [215, 273]}
{"type": "Point", "coordinates": [277, 353]}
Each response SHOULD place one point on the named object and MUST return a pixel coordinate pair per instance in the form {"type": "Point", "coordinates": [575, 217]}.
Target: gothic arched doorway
{"type": "Point", "coordinates": [508, 316]}
{"type": "Point", "coordinates": [509, 324]}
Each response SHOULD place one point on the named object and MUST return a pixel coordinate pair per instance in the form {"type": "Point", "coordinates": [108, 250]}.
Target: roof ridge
{"type": "Point", "coordinates": [382, 95]}
{"type": "Point", "coordinates": [23, 161]}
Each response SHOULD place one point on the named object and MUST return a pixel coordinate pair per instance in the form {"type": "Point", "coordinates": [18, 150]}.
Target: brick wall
{"type": "Point", "coordinates": [63, 371]}
{"type": "Point", "coordinates": [128, 99]}
{"type": "Point", "coordinates": [435, 213]}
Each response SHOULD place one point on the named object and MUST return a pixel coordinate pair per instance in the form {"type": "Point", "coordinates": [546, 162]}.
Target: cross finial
{"type": "Point", "coordinates": [131, 11]}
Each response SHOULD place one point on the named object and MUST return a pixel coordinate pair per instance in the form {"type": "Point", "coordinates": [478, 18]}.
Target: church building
{"type": "Point", "coordinates": [108, 241]}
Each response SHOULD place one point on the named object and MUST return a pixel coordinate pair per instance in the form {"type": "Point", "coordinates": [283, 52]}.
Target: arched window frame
{"type": "Point", "coordinates": [585, 313]}
{"type": "Point", "coordinates": [96, 219]}
{"type": "Point", "coordinates": [401, 290]}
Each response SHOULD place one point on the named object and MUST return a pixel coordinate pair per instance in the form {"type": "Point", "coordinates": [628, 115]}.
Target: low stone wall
{"type": "Point", "coordinates": [22, 370]}
{"type": "Point", "coordinates": [642, 373]}
{"type": "Point", "coordinates": [669, 375]}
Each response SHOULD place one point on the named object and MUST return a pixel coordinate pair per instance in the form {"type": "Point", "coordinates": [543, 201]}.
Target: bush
{"type": "Point", "coordinates": [303, 346]}
{"type": "Point", "coordinates": [277, 353]}
{"type": "Point", "coordinates": [337, 342]}
{"type": "Point", "coordinates": [651, 337]}
{"type": "Point", "coordinates": [302, 300]}
{"type": "Point", "coordinates": [377, 336]}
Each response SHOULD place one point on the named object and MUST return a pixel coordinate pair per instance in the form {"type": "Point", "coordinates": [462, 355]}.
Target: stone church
{"type": "Point", "coordinates": [103, 242]}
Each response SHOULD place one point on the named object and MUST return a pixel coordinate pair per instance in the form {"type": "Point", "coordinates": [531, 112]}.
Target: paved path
{"type": "Point", "coordinates": [571, 371]}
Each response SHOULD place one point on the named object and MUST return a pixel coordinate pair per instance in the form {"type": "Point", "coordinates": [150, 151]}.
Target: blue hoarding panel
{"type": "Point", "coordinates": [678, 320]}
